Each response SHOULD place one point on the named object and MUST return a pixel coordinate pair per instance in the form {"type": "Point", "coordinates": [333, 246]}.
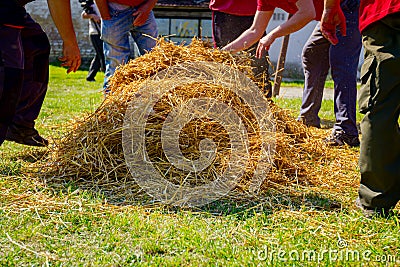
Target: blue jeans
{"type": "Point", "coordinates": [318, 56]}
{"type": "Point", "coordinates": [115, 35]}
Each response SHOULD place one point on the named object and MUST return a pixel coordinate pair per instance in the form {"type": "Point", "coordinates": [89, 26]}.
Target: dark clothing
{"type": "Point", "coordinates": [380, 102]}
{"type": "Point", "coordinates": [24, 78]}
{"type": "Point", "coordinates": [11, 75]}
{"type": "Point", "coordinates": [11, 12]}
{"type": "Point", "coordinates": [36, 48]}
{"type": "Point", "coordinates": [318, 56]}
{"type": "Point", "coordinates": [226, 28]}
{"type": "Point", "coordinates": [98, 60]}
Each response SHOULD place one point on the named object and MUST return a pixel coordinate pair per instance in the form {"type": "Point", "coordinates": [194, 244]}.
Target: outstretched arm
{"type": "Point", "coordinates": [60, 11]}
{"type": "Point", "coordinates": [304, 14]}
{"type": "Point", "coordinates": [331, 18]}
{"type": "Point", "coordinates": [251, 35]}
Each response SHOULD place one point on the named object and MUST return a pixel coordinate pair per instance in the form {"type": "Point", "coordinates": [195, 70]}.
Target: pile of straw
{"type": "Point", "coordinates": [92, 151]}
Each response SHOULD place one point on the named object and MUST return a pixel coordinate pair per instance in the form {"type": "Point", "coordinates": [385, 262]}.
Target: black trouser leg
{"type": "Point", "coordinates": [11, 75]}
{"type": "Point", "coordinates": [380, 102]}
{"type": "Point", "coordinates": [98, 60]}
{"type": "Point", "coordinates": [11, 84]}
{"type": "Point", "coordinates": [36, 74]}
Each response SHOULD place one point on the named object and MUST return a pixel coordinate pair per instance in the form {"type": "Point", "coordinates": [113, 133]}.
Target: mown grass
{"type": "Point", "coordinates": [65, 225]}
{"type": "Point", "coordinates": [300, 83]}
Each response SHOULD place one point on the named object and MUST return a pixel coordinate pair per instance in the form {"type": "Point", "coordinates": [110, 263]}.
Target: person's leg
{"type": "Point", "coordinates": [36, 76]}
{"type": "Point", "coordinates": [100, 52]}
{"type": "Point", "coordinates": [95, 65]}
{"type": "Point", "coordinates": [115, 36]}
{"type": "Point", "coordinates": [380, 102]}
{"type": "Point", "coordinates": [315, 60]}
{"type": "Point", "coordinates": [11, 75]}
{"type": "Point", "coordinates": [226, 28]}
{"type": "Point", "coordinates": [36, 73]}
{"type": "Point", "coordinates": [344, 63]}
{"type": "Point", "coordinates": [145, 35]}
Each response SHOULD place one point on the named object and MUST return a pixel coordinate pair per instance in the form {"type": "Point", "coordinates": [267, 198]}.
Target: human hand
{"type": "Point", "coordinates": [141, 16]}
{"type": "Point", "coordinates": [264, 44]}
{"type": "Point", "coordinates": [142, 12]}
{"type": "Point", "coordinates": [71, 57]}
{"type": "Point", "coordinates": [331, 18]}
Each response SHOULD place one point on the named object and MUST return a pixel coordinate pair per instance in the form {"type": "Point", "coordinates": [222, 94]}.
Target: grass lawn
{"type": "Point", "coordinates": [65, 225]}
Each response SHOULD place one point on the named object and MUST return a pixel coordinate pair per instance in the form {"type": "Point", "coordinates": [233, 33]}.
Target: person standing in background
{"type": "Point", "coordinates": [317, 57]}
{"type": "Point", "coordinates": [92, 14]}
{"type": "Point", "coordinates": [379, 100]}
{"type": "Point", "coordinates": [119, 19]}
{"type": "Point", "coordinates": [230, 18]}
{"type": "Point", "coordinates": [24, 66]}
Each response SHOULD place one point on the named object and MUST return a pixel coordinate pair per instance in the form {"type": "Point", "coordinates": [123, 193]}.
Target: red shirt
{"type": "Point", "coordinates": [371, 10]}
{"type": "Point", "coordinates": [235, 7]}
{"type": "Point", "coordinates": [289, 6]}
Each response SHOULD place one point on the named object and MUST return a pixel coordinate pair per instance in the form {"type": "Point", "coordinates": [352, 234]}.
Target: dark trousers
{"type": "Point", "coordinates": [226, 28]}
{"type": "Point", "coordinates": [318, 56]}
{"type": "Point", "coordinates": [97, 62]}
{"type": "Point", "coordinates": [379, 100]}
{"type": "Point", "coordinates": [36, 51]}
{"type": "Point", "coordinates": [11, 75]}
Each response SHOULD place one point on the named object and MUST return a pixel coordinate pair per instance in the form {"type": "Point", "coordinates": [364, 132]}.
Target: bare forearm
{"type": "Point", "coordinates": [103, 9]}
{"type": "Point", "coordinates": [60, 11]}
{"type": "Point", "coordinates": [253, 34]}
{"type": "Point", "coordinates": [331, 3]}
{"type": "Point", "coordinates": [244, 41]}
{"type": "Point", "coordinates": [142, 12]}
{"type": "Point", "coordinates": [295, 23]}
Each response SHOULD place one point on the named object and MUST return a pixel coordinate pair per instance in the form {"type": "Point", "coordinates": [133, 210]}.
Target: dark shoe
{"type": "Point", "coordinates": [340, 138]}
{"type": "Point", "coordinates": [90, 79]}
{"type": "Point", "coordinates": [373, 212]}
{"type": "Point", "coordinates": [26, 136]}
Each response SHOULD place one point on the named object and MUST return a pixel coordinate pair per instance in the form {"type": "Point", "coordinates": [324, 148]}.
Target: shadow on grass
{"type": "Point", "coordinates": [240, 205]}
{"type": "Point", "coordinates": [17, 162]}
{"type": "Point", "coordinates": [269, 202]}
{"type": "Point", "coordinates": [126, 192]}
{"type": "Point", "coordinates": [328, 124]}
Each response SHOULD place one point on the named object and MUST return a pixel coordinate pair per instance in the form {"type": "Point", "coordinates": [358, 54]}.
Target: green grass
{"type": "Point", "coordinates": [328, 84]}
{"type": "Point", "coordinates": [65, 225]}
{"type": "Point", "coordinates": [326, 112]}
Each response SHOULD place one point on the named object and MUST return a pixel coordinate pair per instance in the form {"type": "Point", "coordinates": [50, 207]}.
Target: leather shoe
{"type": "Point", "coordinates": [26, 136]}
